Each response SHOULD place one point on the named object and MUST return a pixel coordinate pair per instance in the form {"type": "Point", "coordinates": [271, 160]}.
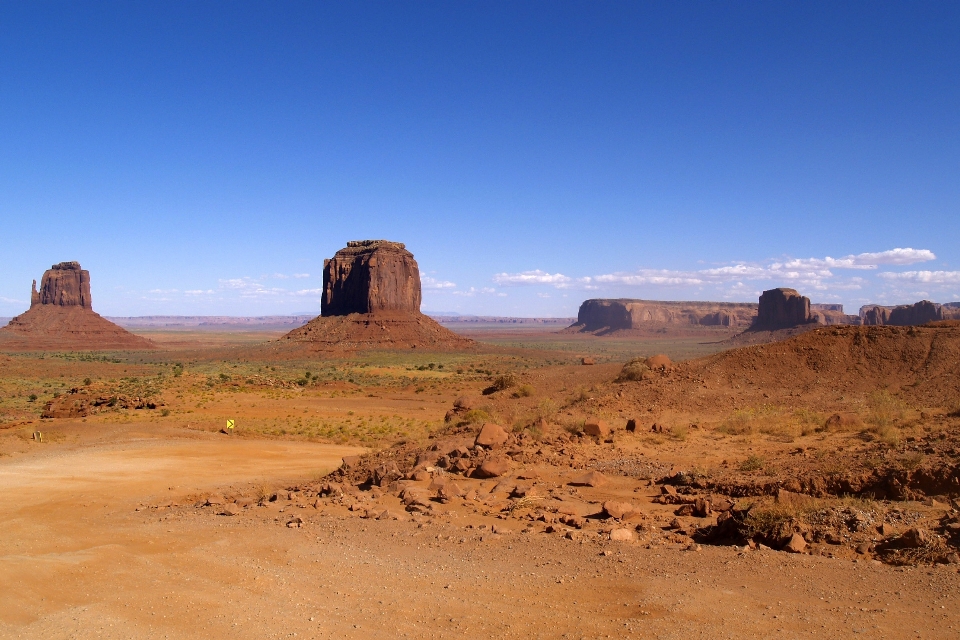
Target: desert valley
{"type": "Point", "coordinates": [648, 469]}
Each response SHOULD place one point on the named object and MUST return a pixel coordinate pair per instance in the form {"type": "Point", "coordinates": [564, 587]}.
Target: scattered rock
{"type": "Point", "coordinates": [492, 468]}
{"type": "Point", "coordinates": [617, 510]}
{"type": "Point", "coordinates": [596, 428]}
{"type": "Point", "coordinates": [622, 535]}
{"type": "Point", "coordinates": [590, 479]}
{"type": "Point", "coordinates": [491, 436]}
{"type": "Point", "coordinates": [658, 362]}
{"type": "Point", "coordinates": [914, 538]}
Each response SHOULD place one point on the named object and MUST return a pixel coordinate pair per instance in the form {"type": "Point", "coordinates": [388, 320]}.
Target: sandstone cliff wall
{"type": "Point", "coordinates": [904, 315]}
{"type": "Point", "coordinates": [624, 313]}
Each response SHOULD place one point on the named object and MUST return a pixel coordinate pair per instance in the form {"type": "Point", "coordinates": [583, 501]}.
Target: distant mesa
{"type": "Point", "coordinates": [371, 300]}
{"type": "Point", "coordinates": [61, 316]}
{"type": "Point", "coordinates": [777, 309]}
{"type": "Point", "coordinates": [624, 314]}
{"type": "Point", "coordinates": [909, 314]}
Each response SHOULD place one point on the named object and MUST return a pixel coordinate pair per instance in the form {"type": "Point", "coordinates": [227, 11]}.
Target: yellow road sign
{"type": "Point", "coordinates": [230, 424]}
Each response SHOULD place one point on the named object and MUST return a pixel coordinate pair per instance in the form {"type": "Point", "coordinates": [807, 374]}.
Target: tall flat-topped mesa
{"type": "Point", "coordinates": [61, 317]}
{"type": "Point", "coordinates": [783, 308]}
{"type": "Point", "coordinates": [63, 285]}
{"type": "Point", "coordinates": [370, 276]}
{"type": "Point", "coordinates": [371, 300]}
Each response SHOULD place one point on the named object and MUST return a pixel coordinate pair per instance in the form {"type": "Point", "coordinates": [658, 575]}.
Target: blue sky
{"type": "Point", "coordinates": [205, 157]}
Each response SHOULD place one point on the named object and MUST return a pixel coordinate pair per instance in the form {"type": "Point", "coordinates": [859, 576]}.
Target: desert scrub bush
{"type": "Point", "coordinates": [633, 370]}
{"type": "Point", "coordinates": [752, 463]}
{"type": "Point", "coordinates": [523, 391]}
{"type": "Point", "coordinates": [738, 424]}
{"type": "Point", "coordinates": [505, 381]}
{"type": "Point", "coordinates": [475, 415]}
{"type": "Point", "coordinates": [580, 395]}
{"type": "Point", "coordinates": [546, 409]}
{"type": "Point", "coordinates": [912, 460]}
{"type": "Point", "coordinates": [573, 427]}
{"type": "Point", "coordinates": [884, 408]}
{"type": "Point", "coordinates": [679, 433]}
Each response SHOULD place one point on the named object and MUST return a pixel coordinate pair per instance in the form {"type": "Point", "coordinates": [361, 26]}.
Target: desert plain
{"type": "Point", "coordinates": [347, 502]}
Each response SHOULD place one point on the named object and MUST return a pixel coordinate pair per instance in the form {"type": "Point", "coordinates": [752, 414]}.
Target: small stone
{"type": "Point", "coordinates": [230, 510]}
{"type": "Point", "coordinates": [492, 468]}
{"type": "Point", "coordinates": [863, 548]}
{"type": "Point", "coordinates": [622, 535]}
{"type": "Point", "coordinates": [591, 479]}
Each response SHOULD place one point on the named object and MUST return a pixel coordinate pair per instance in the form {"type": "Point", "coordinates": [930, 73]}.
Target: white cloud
{"type": "Point", "coordinates": [531, 277]}
{"type": "Point", "coordinates": [308, 292]}
{"type": "Point", "coordinates": [432, 283]}
{"type": "Point", "coordinates": [472, 291]}
{"type": "Point", "coordinates": [301, 275]}
{"type": "Point", "coordinates": [923, 277]}
{"type": "Point", "coordinates": [894, 257]}
{"type": "Point", "coordinates": [198, 292]}
{"type": "Point", "coordinates": [250, 288]}
{"type": "Point", "coordinates": [807, 273]}
{"type": "Point", "coordinates": [12, 301]}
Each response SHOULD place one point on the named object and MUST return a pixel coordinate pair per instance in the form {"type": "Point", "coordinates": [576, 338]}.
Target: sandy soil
{"type": "Point", "coordinates": [103, 540]}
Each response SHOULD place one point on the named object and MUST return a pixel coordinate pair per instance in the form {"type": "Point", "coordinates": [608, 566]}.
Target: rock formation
{"type": "Point", "coordinates": [63, 285]}
{"type": "Point", "coordinates": [371, 300]}
{"type": "Point", "coordinates": [781, 309]}
{"type": "Point", "coordinates": [61, 317]}
{"type": "Point", "coordinates": [625, 314]}
{"type": "Point", "coordinates": [903, 315]}
{"type": "Point", "coordinates": [370, 276]}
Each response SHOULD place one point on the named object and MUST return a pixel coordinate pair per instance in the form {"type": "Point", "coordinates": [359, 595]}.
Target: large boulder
{"type": "Point", "coordinates": [370, 276]}
{"type": "Point", "coordinates": [781, 309]}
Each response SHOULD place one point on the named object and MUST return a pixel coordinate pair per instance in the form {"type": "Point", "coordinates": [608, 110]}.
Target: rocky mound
{"type": "Point", "coordinates": [61, 317]}
{"type": "Point", "coordinates": [919, 364]}
{"type": "Point", "coordinates": [371, 300]}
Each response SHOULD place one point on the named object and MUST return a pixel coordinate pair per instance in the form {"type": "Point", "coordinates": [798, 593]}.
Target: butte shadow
{"type": "Point", "coordinates": [371, 301]}
{"type": "Point", "coordinates": [61, 316]}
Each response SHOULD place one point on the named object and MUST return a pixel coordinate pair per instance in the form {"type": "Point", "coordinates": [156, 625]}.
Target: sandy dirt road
{"type": "Point", "coordinates": [79, 560]}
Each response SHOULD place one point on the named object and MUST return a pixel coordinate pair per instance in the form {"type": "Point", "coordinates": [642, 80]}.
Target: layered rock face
{"type": "Point", "coordinates": [63, 285]}
{"type": "Point", "coordinates": [625, 314]}
{"type": "Point", "coordinates": [781, 309]}
{"type": "Point", "coordinates": [61, 317]}
{"type": "Point", "coordinates": [370, 276]}
{"type": "Point", "coordinates": [371, 300]}
{"type": "Point", "coordinates": [903, 315]}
